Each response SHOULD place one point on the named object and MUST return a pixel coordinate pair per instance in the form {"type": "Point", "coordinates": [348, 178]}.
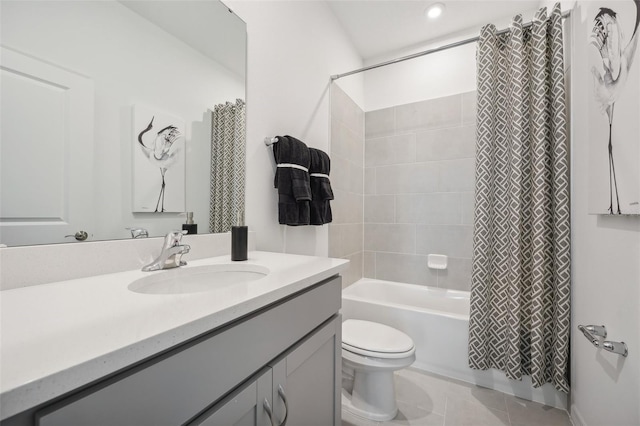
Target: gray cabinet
{"type": "Point", "coordinates": [307, 377]}
{"type": "Point", "coordinates": [298, 388]}
{"type": "Point", "coordinates": [301, 332]}
{"type": "Point", "coordinates": [244, 407]}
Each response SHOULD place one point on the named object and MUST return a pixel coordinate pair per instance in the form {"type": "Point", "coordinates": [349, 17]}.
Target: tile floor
{"type": "Point", "coordinates": [426, 399]}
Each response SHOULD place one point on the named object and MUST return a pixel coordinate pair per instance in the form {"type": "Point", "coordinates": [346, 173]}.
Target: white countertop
{"type": "Point", "coordinates": [59, 336]}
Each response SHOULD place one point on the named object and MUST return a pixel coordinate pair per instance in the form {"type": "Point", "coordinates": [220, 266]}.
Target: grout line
{"type": "Point", "coordinates": [444, 415]}
{"type": "Point", "coordinates": [421, 163]}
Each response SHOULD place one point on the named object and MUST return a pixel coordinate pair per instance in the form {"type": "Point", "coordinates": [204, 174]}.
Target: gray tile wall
{"type": "Point", "coordinates": [347, 181]}
{"type": "Point", "coordinates": [418, 191]}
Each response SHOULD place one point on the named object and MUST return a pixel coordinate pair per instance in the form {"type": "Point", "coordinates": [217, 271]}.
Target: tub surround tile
{"type": "Point", "coordinates": [346, 143]}
{"type": "Point", "coordinates": [351, 238]}
{"type": "Point", "coordinates": [339, 206]}
{"type": "Point", "coordinates": [457, 175]}
{"type": "Point", "coordinates": [347, 111]}
{"type": "Point", "coordinates": [357, 177]}
{"type": "Point", "coordinates": [345, 239]}
{"type": "Point", "coordinates": [354, 270]}
{"type": "Point", "coordinates": [450, 240]}
{"type": "Point", "coordinates": [397, 149]}
{"type": "Point", "coordinates": [407, 178]}
{"type": "Point", "coordinates": [396, 238]}
{"type": "Point", "coordinates": [335, 246]}
{"type": "Point", "coordinates": [347, 207]}
{"type": "Point", "coordinates": [369, 180]}
{"type": "Point", "coordinates": [446, 144]}
{"type": "Point", "coordinates": [347, 179]}
{"type": "Point", "coordinates": [354, 178]}
{"type": "Point", "coordinates": [369, 264]}
{"type": "Point", "coordinates": [418, 170]}
{"type": "Point", "coordinates": [429, 114]}
{"type": "Point", "coordinates": [429, 209]}
{"type": "Point", "coordinates": [468, 202]}
{"type": "Point", "coordinates": [379, 208]}
{"type": "Point", "coordinates": [405, 268]}
{"type": "Point", "coordinates": [469, 104]}
{"type": "Point", "coordinates": [457, 276]}
{"type": "Point", "coordinates": [380, 123]}
{"type": "Point", "coordinates": [340, 178]}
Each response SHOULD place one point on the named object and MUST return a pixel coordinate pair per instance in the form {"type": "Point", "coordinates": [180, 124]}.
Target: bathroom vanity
{"type": "Point", "coordinates": [249, 353]}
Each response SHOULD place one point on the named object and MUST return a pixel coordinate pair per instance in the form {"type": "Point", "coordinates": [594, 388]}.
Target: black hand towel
{"type": "Point", "coordinates": [321, 193]}
{"type": "Point", "coordinates": [292, 181]}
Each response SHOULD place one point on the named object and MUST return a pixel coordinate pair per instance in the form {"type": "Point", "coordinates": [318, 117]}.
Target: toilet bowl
{"type": "Point", "coordinates": [371, 352]}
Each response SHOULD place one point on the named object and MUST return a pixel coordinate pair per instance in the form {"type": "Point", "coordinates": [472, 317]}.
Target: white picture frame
{"type": "Point", "coordinates": [614, 106]}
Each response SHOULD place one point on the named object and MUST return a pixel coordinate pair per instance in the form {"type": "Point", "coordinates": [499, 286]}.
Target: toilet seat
{"type": "Point", "coordinates": [376, 340]}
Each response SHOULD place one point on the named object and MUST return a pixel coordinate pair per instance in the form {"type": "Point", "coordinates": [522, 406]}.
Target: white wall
{"type": "Point", "coordinates": [293, 49]}
{"type": "Point", "coordinates": [605, 388]}
{"type": "Point", "coordinates": [130, 61]}
{"type": "Point", "coordinates": [436, 75]}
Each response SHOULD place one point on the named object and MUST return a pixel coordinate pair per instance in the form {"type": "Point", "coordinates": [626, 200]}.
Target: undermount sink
{"type": "Point", "coordinates": [198, 279]}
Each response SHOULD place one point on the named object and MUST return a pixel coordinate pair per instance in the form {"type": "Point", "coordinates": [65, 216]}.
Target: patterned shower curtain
{"type": "Point", "coordinates": [520, 304]}
{"type": "Point", "coordinates": [227, 165]}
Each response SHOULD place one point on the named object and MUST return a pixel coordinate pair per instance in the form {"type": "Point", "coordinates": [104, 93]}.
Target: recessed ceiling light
{"type": "Point", "coordinates": [435, 10]}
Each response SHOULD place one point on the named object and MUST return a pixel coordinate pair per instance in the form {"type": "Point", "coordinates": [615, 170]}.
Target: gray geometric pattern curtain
{"type": "Point", "coordinates": [520, 290]}
{"type": "Point", "coordinates": [227, 165]}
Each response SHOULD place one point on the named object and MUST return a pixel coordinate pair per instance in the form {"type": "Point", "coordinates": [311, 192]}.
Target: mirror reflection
{"type": "Point", "coordinates": [118, 117]}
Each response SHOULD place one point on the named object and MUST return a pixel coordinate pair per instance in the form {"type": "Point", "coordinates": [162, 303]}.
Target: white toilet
{"type": "Point", "coordinates": [371, 352]}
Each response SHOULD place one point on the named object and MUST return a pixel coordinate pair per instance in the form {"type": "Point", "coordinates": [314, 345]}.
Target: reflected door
{"type": "Point", "coordinates": [46, 151]}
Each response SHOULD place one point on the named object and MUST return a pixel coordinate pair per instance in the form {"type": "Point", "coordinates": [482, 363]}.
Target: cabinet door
{"type": "Point", "coordinates": [308, 377]}
{"type": "Point", "coordinates": [244, 407]}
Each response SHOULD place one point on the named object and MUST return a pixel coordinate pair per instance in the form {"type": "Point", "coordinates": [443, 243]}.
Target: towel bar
{"type": "Point", "coordinates": [268, 141]}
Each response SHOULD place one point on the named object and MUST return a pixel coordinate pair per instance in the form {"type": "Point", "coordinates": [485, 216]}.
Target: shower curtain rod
{"type": "Point", "coordinates": [429, 51]}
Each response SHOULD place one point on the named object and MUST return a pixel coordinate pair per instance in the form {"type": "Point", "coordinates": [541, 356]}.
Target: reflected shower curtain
{"type": "Point", "coordinates": [520, 305]}
{"type": "Point", "coordinates": [227, 165]}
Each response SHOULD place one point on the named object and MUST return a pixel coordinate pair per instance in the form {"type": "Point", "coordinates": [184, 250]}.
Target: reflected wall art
{"type": "Point", "coordinates": [158, 161]}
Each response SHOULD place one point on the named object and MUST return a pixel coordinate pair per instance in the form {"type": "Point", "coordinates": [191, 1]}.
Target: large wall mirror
{"type": "Point", "coordinates": [108, 113]}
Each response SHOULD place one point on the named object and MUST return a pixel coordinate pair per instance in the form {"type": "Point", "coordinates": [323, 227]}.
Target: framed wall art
{"type": "Point", "coordinates": [614, 106]}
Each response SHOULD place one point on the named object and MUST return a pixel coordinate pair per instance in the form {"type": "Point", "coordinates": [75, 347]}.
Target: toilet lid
{"type": "Point", "coordinates": [374, 337]}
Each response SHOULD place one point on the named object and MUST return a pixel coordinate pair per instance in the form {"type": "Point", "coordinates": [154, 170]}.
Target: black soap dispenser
{"type": "Point", "coordinates": [239, 237]}
{"type": "Point", "coordinates": [189, 226]}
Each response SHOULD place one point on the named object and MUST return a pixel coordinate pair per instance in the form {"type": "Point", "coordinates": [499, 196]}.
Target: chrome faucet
{"type": "Point", "coordinates": [171, 254]}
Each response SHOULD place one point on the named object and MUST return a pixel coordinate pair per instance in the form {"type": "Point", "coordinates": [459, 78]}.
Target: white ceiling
{"type": "Point", "coordinates": [378, 27]}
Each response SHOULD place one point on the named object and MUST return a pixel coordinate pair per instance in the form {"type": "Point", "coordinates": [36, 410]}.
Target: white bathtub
{"type": "Point", "coordinates": [437, 320]}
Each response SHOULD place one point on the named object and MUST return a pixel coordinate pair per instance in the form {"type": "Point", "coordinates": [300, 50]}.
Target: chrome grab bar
{"type": "Point", "coordinates": [619, 348]}
{"type": "Point", "coordinates": [590, 337]}
{"type": "Point", "coordinates": [591, 331]}
{"type": "Point", "coordinates": [597, 330]}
